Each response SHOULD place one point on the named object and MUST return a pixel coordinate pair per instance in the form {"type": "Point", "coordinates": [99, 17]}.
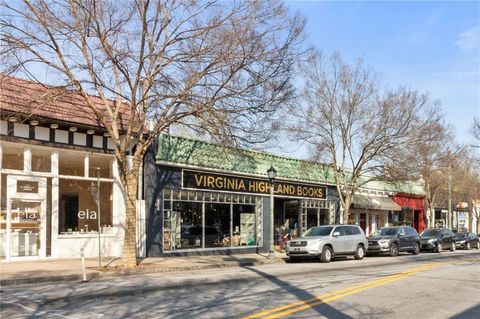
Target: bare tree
{"type": "Point", "coordinates": [465, 186]}
{"type": "Point", "coordinates": [476, 131]}
{"type": "Point", "coordinates": [472, 191]}
{"type": "Point", "coordinates": [450, 183]}
{"type": "Point", "coordinates": [352, 124]}
{"type": "Point", "coordinates": [430, 158]}
{"type": "Point", "coordinates": [220, 67]}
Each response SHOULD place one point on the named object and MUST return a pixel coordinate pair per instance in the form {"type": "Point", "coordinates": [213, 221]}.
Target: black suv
{"type": "Point", "coordinates": [467, 241]}
{"type": "Point", "coordinates": [393, 240]}
{"type": "Point", "coordinates": [437, 240]}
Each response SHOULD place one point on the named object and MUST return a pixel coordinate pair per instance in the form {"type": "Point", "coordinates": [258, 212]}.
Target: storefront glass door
{"type": "Point", "coordinates": [25, 225]}
{"type": "Point", "coordinates": [3, 233]}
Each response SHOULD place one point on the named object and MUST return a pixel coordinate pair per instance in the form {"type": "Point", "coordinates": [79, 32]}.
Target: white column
{"type": "Point", "coordinates": [374, 222]}
{"type": "Point", "coordinates": [368, 226]}
{"type": "Point", "coordinates": [141, 223]}
{"type": "Point", "coordinates": [86, 165]}
{"type": "Point", "coordinates": [27, 160]}
{"type": "Point", "coordinates": [432, 219]}
{"type": "Point", "coordinates": [8, 246]}
{"type": "Point", "coordinates": [55, 204]}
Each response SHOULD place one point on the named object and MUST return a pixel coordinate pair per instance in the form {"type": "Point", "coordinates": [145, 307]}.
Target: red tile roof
{"type": "Point", "coordinates": [37, 100]}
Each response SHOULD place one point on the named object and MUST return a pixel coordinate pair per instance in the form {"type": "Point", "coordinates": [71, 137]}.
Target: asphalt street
{"type": "Point", "coordinates": [428, 285]}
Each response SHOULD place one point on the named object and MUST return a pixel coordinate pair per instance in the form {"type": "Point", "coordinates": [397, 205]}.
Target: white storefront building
{"type": "Point", "coordinates": [54, 162]}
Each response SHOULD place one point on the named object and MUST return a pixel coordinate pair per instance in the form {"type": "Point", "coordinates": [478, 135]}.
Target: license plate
{"type": "Point", "coordinates": [296, 249]}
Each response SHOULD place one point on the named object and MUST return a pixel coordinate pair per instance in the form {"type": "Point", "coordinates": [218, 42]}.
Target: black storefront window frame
{"type": "Point", "coordinates": [171, 196]}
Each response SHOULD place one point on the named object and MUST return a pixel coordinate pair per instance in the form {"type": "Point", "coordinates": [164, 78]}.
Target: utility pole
{"type": "Point", "coordinates": [450, 215]}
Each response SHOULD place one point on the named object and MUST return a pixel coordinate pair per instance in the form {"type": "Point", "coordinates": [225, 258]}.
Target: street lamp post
{"type": "Point", "coordinates": [271, 173]}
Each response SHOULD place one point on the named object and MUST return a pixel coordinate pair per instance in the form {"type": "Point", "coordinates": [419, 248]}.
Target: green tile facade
{"type": "Point", "coordinates": [179, 150]}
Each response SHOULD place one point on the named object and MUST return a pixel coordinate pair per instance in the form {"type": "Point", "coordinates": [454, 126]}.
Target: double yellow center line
{"type": "Point", "coordinates": [310, 303]}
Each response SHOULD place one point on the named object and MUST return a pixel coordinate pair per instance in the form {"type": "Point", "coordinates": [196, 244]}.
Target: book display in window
{"type": "Point", "coordinates": [247, 229]}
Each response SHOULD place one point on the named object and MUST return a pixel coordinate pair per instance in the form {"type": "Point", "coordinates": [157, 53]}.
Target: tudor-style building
{"type": "Point", "coordinates": [54, 160]}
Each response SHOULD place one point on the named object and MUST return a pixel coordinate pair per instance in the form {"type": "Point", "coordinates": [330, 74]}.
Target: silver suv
{"type": "Point", "coordinates": [329, 241]}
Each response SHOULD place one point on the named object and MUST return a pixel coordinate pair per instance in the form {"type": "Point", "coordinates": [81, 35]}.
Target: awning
{"type": "Point", "coordinates": [374, 203]}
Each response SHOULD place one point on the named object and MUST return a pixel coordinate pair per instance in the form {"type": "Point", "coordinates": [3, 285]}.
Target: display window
{"type": "Point", "coordinates": [12, 157]}
{"type": "Point", "coordinates": [41, 160]}
{"type": "Point", "coordinates": [194, 220]}
{"type": "Point", "coordinates": [381, 220]}
{"type": "Point", "coordinates": [316, 213]}
{"type": "Point", "coordinates": [401, 218]}
{"type": "Point", "coordinates": [217, 225]}
{"type": "Point", "coordinates": [100, 165]}
{"type": "Point", "coordinates": [244, 225]}
{"type": "Point", "coordinates": [78, 210]}
{"type": "Point", "coordinates": [3, 192]}
{"type": "Point", "coordinates": [3, 215]}
{"type": "Point", "coordinates": [71, 163]}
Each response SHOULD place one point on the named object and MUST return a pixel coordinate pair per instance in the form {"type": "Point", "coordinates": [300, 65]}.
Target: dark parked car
{"type": "Point", "coordinates": [467, 241]}
{"type": "Point", "coordinates": [393, 240]}
{"type": "Point", "coordinates": [437, 240]}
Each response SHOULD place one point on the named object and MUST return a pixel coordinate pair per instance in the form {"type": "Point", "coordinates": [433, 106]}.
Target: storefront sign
{"type": "Point", "coordinates": [27, 216]}
{"type": "Point", "coordinates": [27, 187]}
{"type": "Point", "coordinates": [89, 214]}
{"type": "Point", "coordinates": [209, 181]}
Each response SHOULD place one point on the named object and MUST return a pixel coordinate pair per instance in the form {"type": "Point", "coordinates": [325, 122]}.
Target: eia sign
{"type": "Point", "coordinates": [88, 214]}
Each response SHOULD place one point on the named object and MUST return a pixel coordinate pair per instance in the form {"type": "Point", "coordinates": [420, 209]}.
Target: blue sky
{"type": "Point", "coordinates": [432, 46]}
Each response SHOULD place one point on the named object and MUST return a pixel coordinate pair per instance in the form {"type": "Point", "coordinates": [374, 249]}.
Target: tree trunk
{"type": "Point", "coordinates": [346, 209]}
{"type": "Point", "coordinates": [130, 240]}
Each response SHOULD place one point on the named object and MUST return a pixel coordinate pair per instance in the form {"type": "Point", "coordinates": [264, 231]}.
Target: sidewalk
{"type": "Point", "coordinates": [34, 271]}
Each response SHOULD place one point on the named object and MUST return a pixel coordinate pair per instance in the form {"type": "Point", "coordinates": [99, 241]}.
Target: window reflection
{"type": "Point", "coordinates": [70, 163]}
{"type": "Point", "coordinates": [100, 164]}
{"type": "Point", "coordinates": [205, 224]}
{"type": "Point", "coordinates": [41, 161]}
{"type": "Point", "coordinates": [217, 225]}
{"type": "Point", "coordinates": [12, 157]}
{"type": "Point", "coordinates": [78, 211]}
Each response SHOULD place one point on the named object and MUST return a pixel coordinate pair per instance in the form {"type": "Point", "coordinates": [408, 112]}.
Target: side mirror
{"type": "Point", "coordinates": [400, 235]}
{"type": "Point", "coordinates": [336, 234]}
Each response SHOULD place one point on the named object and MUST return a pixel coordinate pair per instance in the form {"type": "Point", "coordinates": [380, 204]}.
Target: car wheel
{"type": "Point", "coordinates": [468, 246]}
{"type": "Point", "coordinates": [293, 259]}
{"type": "Point", "coordinates": [360, 253]}
{"type": "Point", "coordinates": [439, 248]}
{"type": "Point", "coordinates": [416, 249]}
{"type": "Point", "coordinates": [327, 254]}
{"type": "Point", "coordinates": [393, 250]}
{"type": "Point", "coordinates": [453, 247]}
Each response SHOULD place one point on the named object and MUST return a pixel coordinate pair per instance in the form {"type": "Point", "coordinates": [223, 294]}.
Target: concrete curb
{"type": "Point", "coordinates": [95, 274]}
